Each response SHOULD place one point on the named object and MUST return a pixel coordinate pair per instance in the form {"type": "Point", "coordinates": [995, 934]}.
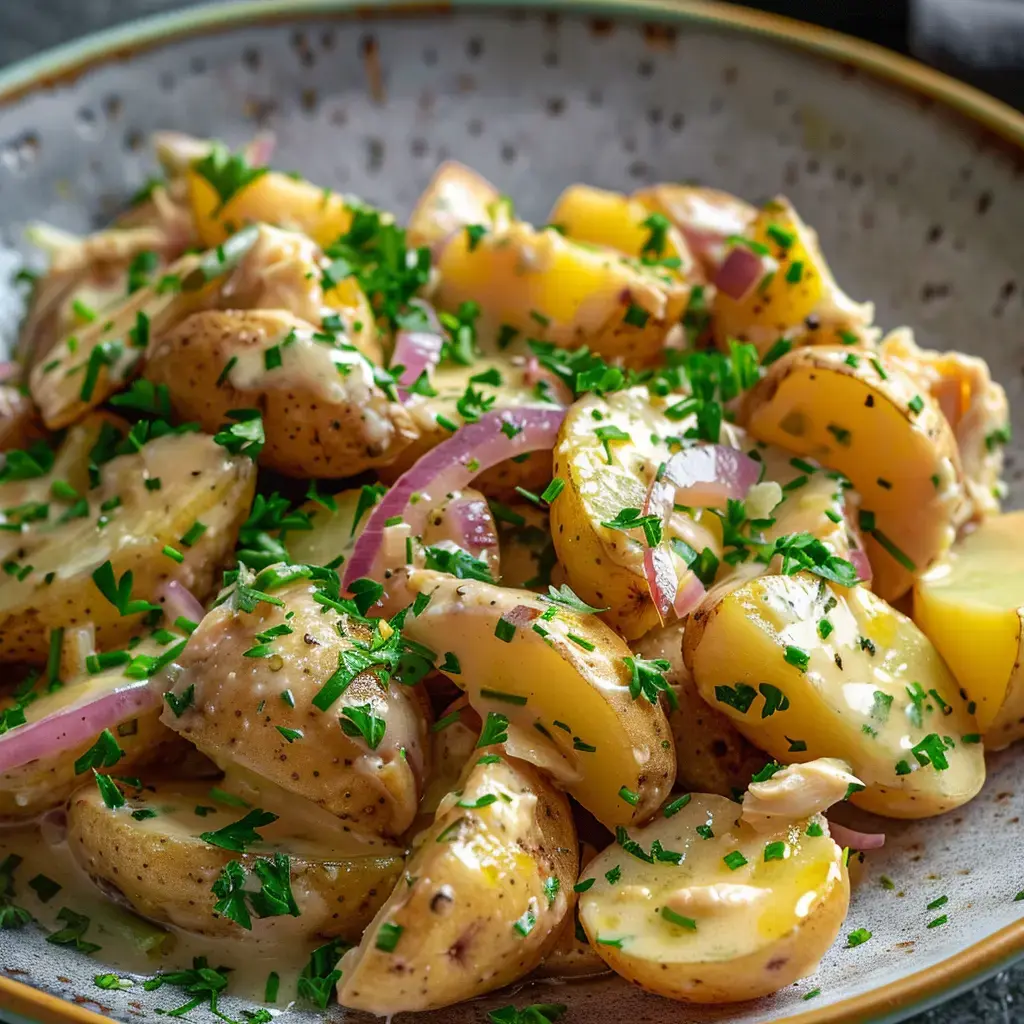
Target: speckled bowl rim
{"type": "Point", "coordinates": [60, 66]}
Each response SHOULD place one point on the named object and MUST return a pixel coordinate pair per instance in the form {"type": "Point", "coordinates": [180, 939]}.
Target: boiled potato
{"type": "Point", "coordinates": [972, 608]}
{"type": "Point", "coordinates": [270, 197]}
{"type": "Point", "coordinates": [706, 217]}
{"type": "Point", "coordinates": [152, 854]}
{"type": "Point", "coordinates": [456, 196]}
{"type": "Point", "coordinates": [263, 681]}
{"type": "Point", "coordinates": [604, 565]}
{"type": "Point", "coordinates": [453, 741]}
{"type": "Point", "coordinates": [539, 284]}
{"type": "Point", "coordinates": [796, 285]}
{"type": "Point", "coordinates": [38, 785]}
{"type": "Point", "coordinates": [323, 413]}
{"type": "Point", "coordinates": [335, 528]}
{"type": "Point", "coordinates": [973, 403]}
{"type": "Point", "coordinates": [528, 559]}
{"type": "Point", "coordinates": [18, 423]}
{"type": "Point", "coordinates": [616, 221]}
{"type": "Point", "coordinates": [712, 755]}
{"type": "Point", "coordinates": [872, 691]}
{"type": "Point", "coordinates": [145, 502]}
{"type": "Point", "coordinates": [560, 683]}
{"type": "Point", "coordinates": [723, 912]}
{"type": "Point", "coordinates": [453, 383]}
{"type": "Point", "coordinates": [482, 900]}
{"type": "Point", "coordinates": [856, 414]}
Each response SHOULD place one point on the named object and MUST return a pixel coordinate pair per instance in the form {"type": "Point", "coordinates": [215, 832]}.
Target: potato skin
{"type": "Point", "coordinates": [165, 872]}
{"type": "Point", "coordinates": [318, 423]}
{"type": "Point", "coordinates": [712, 755]}
{"type": "Point", "coordinates": [455, 196]}
{"type": "Point", "coordinates": [474, 876]}
{"type": "Point", "coordinates": [200, 481]}
{"type": "Point", "coordinates": [238, 707]}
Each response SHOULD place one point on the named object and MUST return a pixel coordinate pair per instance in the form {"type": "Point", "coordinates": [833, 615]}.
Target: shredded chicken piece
{"type": "Point", "coordinates": [796, 793]}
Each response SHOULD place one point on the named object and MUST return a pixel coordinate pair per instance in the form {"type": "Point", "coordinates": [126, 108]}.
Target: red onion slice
{"type": "Point", "coordinates": [417, 349]}
{"type": "Point", "coordinates": [659, 566]}
{"type": "Point", "coordinates": [708, 475]}
{"type": "Point", "coordinates": [452, 466]}
{"type": "Point", "coordinates": [858, 556]}
{"type": "Point", "coordinates": [75, 724]}
{"type": "Point", "coordinates": [9, 371]}
{"type": "Point", "coordinates": [856, 840]}
{"type": "Point", "coordinates": [260, 149]}
{"type": "Point", "coordinates": [741, 273]}
{"type": "Point", "coordinates": [179, 602]}
{"type": "Point", "coordinates": [471, 520]}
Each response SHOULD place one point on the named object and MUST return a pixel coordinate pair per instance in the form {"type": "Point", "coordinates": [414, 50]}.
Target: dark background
{"type": "Point", "coordinates": [981, 41]}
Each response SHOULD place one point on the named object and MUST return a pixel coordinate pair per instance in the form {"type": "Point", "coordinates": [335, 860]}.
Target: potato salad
{"type": "Point", "coordinates": [393, 612]}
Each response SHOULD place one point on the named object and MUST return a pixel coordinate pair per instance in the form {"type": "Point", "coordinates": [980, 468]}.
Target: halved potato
{"type": "Point", "coordinates": [539, 284]}
{"type": "Point", "coordinates": [604, 565]}
{"type": "Point", "coordinates": [796, 285]}
{"type": "Point", "coordinates": [434, 416]}
{"type": "Point", "coordinates": [290, 691]}
{"type": "Point", "coordinates": [323, 413]}
{"type": "Point", "coordinates": [853, 412]}
{"type": "Point", "coordinates": [482, 900]}
{"type": "Point", "coordinates": [29, 789]}
{"type": "Point", "coordinates": [720, 912]}
{"type": "Point", "coordinates": [707, 217]}
{"type": "Point", "coordinates": [614, 220]}
{"type": "Point", "coordinates": [972, 608]}
{"type": "Point", "coordinates": [559, 678]}
{"type": "Point", "coordinates": [973, 403]}
{"type": "Point", "coordinates": [271, 198]}
{"type": "Point", "coordinates": [151, 853]}
{"type": "Point", "coordinates": [712, 755]}
{"type": "Point", "coordinates": [872, 691]}
{"type": "Point", "coordinates": [145, 502]}
{"type": "Point", "coordinates": [456, 196]}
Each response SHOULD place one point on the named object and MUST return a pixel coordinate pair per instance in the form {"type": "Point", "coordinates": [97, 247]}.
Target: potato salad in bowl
{"type": "Point", "coordinates": [393, 613]}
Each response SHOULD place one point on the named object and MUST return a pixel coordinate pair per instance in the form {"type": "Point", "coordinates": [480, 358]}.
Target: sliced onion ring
{"type": "Point", "coordinates": [708, 475]}
{"type": "Point", "coordinates": [417, 349]}
{"type": "Point", "coordinates": [740, 273]}
{"type": "Point", "coordinates": [74, 724]}
{"type": "Point", "coordinates": [856, 840]}
{"type": "Point", "coordinates": [452, 466]}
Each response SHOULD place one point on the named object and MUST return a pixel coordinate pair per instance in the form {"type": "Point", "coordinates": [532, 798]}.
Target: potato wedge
{"type": "Point", "coordinates": [973, 403]}
{"type": "Point", "coordinates": [562, 682]}
{"type": "Point", "coordinates": [972, 608]}
{"type": "Point", "coordinates": [323, 413]}
{"type": "Point", "coordinates": [873, 691]}
{"type": "Point", "coordinates": [453, 742]}
{"type": "Point", "coordinates": [151, 854]}
{"type": "Point", "coordinates": [871, 422]}
{"type": "Point", "coordinates": [722, 913]}
{"type": "Point", "coordinates": [456, 196]}
{"type": "Point", "coordinates": [797, 286]}
{"type": "Point", "coordinates": [270, 198]}
{"type": "Point", "coordinates": [44, 783]}
{"type": "Point", "coordinates": [264, 685]}
{"type": "Point", "coordinates": [712, 755]}
{"type": "Point", "coordinates": [434, 417]}
{"type": "Point", "coordinates": [616, 221]}
{"type": "Point", "coordinates": [542, 285]}
{"type": "Point", "coordinates": [604, 565]}
{"type": "Point", "coordinates": [126, 521]}
{"type": "Point", "coordinates": [483, 898]}
{"type": "Point", "coordinates": [706, 217]}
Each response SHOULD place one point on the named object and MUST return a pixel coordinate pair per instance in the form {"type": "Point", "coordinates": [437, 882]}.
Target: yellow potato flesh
{"type": "Point", "coordinates": [614, 220]}
{"type": "Point", "coordinates": [782, 908]}
{"type": "Point", "coordinates": [273, 198]}
{"type": "Point", "coordinates": [856, 698]}
{"type": "Point", "coordinates": [970, 608]}
{"type": "Point", "coordinates": [861, 426]}
{"type": "Point", "coordinates": [334, 531]}
{"type": "Point", "coordinates": [612, 753]}
{"type": "Point", "coordinates": [544, 286]}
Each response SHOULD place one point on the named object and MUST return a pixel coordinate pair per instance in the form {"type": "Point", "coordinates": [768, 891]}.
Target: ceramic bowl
{"type": "Point", "coordinates": [913, 181]}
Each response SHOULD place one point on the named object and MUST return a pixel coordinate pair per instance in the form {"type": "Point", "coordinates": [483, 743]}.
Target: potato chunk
{"type": "Point", "coordinates": [867, 419]}
{"type": "Point", "coordinates": [805, 670]}
{"type": "Point", "coordinates": [972, 608]}
{"type": "Point", "coordinates": [718, 912]}
{"type": "Point", "coordinates": [455, 197]}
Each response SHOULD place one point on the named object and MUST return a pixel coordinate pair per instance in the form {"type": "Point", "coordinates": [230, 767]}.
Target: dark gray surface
{"type": "Point", "coordinates": [29, 26]}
